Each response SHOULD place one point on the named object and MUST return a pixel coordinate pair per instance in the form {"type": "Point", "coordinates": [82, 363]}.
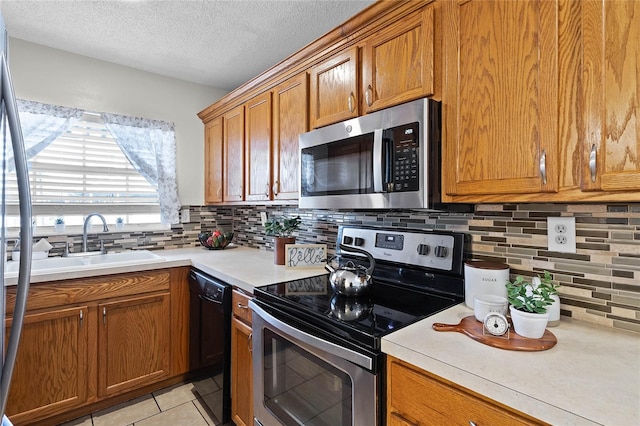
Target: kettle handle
{"type": "Point", "coordinates": [372, 261]}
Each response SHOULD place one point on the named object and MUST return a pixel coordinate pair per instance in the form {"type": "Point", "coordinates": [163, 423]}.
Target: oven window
{"type": "Point", "coordinates": [302, 389]}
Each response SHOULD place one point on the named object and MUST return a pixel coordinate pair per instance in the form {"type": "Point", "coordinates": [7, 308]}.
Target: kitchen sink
{"type": "Point", "coordinates": [55, 264]}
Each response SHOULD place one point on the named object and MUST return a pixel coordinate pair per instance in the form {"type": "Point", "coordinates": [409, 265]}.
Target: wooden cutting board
{"type": "Point", "coordinates": [473, 328]}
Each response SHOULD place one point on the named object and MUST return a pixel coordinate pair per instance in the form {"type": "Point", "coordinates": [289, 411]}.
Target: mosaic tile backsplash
{"type": "Point", "coordinates": [599, 284]}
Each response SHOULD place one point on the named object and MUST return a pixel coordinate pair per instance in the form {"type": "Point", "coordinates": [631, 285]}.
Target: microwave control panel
{"type": "Point", "coordinates": [404, 157]}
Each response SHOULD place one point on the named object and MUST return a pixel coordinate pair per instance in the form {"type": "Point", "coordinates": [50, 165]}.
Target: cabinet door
{"type": "Point", "coordinates": [398, 62]}
{"type": "Point", "coordinates": [50, 373]}
{"type": "Point", "coordinates": [611, 70]}
{"type": "Point", "coordinates": [415, 397]}
{"type": "Point", "coordinates": [233, 131]}
{"type": "Point", "coordinates": [133, 343]}
{"type": "Point", "coordinates": [257, 148]}
{"type": "Point", "coordinates": [213, 171]}
{"type": "Point", "coordinates": [241, 374]}
{"type": "Point", "coordinates": [290, 119]}
{"type": "Point", "coordinates": [334, 89]}
{"type": "Point", "coordinates": [500, 97]}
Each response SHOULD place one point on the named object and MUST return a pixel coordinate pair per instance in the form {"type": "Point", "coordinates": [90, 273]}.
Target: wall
{"type": "Point", "coordinates": [53, 76]}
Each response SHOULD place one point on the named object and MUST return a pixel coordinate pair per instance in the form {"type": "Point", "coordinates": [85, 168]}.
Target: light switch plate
{"type": "Point", "coordinates": [561, 234]}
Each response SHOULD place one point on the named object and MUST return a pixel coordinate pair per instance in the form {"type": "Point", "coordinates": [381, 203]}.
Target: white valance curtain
{"type": "Point", "coordinates": [41, 124]}
{"type": "Point", "coordinates": [150, 146]}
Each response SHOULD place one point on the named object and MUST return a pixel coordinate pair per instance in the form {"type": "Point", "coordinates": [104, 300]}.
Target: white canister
{"type": "Point", "coordinates": [484, 277]}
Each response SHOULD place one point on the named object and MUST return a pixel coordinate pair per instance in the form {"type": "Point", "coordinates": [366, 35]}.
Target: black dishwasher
{"type": "Point", "coordinates": [210, 336]}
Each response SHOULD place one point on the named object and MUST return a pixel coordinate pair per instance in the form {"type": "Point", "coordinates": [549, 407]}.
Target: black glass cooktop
{"type": "Point", "coordinates": [362, 320]}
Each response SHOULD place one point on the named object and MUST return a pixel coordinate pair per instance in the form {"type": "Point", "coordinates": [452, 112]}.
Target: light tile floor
{"type": "Point", "coordinates": [182, 404]}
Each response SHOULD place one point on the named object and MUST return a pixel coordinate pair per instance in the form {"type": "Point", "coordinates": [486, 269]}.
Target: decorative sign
{"type": "Point", "coordinates": [305, 255]}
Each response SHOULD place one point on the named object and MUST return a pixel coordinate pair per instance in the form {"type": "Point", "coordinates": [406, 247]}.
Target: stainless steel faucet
{"type": "Point", "coordinates": [86, 224]}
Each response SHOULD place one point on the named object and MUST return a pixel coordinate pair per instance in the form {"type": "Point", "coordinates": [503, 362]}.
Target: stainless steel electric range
{"type": "Point", "coordinates": [316, 354]}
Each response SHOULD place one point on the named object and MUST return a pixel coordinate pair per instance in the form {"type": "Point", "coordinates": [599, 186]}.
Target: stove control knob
{"type": "Point", "coordinates": [441, 251]}
{"type": "Point", "coordinates": [423, 249]}
{"type": "Point", "coordinates": [347, 240]}
{"type": "Point", "coordinates": [358, 241]}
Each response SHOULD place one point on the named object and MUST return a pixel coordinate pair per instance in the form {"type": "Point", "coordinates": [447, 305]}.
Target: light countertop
{"type": "Point", "coordinates": [242, 267]}
{"type": "Point", "coordinates": [591, 376]}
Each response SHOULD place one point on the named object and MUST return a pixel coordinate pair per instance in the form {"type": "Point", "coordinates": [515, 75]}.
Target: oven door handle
{"type": "Point", "coordinates": [311, 340]}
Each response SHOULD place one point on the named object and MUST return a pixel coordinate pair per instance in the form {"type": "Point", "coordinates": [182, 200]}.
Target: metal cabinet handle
{"type": "Point", "coordinates": [351, 102]}
{"type": "Point", "coordinates": [368, 94]}
{"type": "Point", "coordinates": [250, 342]}
{"type": "Point", "coordinates": [471, 423]}
{"type": "Point", "coordinates": [218, 192]}
{"type": "Point", "coordinates": [81, 318]}
{"type": "Point", "coordinates": [241, 306]}
{"type": "Point", "coordinates": [266, 192]}
{"type": "Point", "coordinates": [593, 162]}
{"type": "Point", "coordinates": [240, 195]}
{"type": "Point", "coordinates": [275, 189]}
{"type": "Point", "coordinates": [104, 315]}
{"type": "Point", "coordinates": [543, 167]}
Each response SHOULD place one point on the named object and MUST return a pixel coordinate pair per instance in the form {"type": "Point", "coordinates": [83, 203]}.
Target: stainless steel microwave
{"type": "Point", "coordinates": [389, 159]}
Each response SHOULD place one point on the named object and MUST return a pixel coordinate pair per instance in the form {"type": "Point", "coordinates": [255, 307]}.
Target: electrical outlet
{"type": "Point", "coordinates": [561, 234]}
{"type": "Point", "coordinates": [263, 218]}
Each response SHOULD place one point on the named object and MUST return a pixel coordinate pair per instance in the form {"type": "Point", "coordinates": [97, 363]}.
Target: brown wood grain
{"type": "Point", "coordinates": [290, 119]}
{"type": "Point", "coordinates": [233, 142]}
{"type": "Point", "coordinates": [241, 374]}
{"type": "Point", "coordinates": [473, 328]}
{"type": "Point", "coordinates": [398, 62]}
{"type": "Point", "coordinates": [333, 82]}
{"type": "Point", "coordinates": [416, 397]}
{"type": "Point", "coordinates": [257, 148]}
{"type": "Point", "coordinates": [134, 338]}
{"type": "Point", "coordinates": [180, 320]}
{"type": "Point", "coordinates": [500, 96]}
{"type": "Point", "coordinates": [611, 41]}
{"type": "Point", "coordinates": [83, 290]}
{"type": "Point", "coordinates": [213, 161]}
{"type": "Point", "coordinates": [50, 374]}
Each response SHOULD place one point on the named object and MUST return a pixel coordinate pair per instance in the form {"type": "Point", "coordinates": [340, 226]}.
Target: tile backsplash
{"type": "Point", "coordinates": [599, 284]}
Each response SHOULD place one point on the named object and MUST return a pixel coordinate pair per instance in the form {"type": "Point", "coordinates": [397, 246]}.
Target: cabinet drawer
{"type": "Point", "coordinates": [240, 303]}
{"type": "Point", "coordinates": [421, 399]}
{"type": "Point", "coordinates": [84, 290]}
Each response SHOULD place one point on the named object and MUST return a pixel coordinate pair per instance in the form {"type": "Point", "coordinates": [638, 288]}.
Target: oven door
{"type": "Point", "coordinates": [301, 379]}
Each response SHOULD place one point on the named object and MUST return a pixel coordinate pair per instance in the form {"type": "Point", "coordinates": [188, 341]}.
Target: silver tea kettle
{"type": "Point", "coordinates": [351, 279]}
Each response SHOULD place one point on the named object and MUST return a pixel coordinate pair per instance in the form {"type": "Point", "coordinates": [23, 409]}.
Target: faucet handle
{"type": "Point", "coordinates": [102, 249]}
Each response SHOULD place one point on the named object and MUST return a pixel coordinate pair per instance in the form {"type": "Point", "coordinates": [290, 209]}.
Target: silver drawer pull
{"type": "Point", "coordinates": [241, 306]}
{"type": "Point", "coordinates": [593, 162]}
{"type": "Point", "coordinates": [543, 167]}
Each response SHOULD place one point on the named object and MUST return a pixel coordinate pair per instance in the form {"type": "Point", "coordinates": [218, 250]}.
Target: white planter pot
{"type": "Point", "coordinates": [554, 311]}
{"type": "Point", "coordinates": [528, 324]}
{"type": "Point", "coordinates": [59, 227]}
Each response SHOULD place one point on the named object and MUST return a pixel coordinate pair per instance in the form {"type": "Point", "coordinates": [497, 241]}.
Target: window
{"type": "Point", "coordinates": [82, 171]}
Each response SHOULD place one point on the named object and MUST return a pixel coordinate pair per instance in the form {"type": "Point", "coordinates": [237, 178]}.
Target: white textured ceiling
{"type": "Point", "coordinates": [213, 42]}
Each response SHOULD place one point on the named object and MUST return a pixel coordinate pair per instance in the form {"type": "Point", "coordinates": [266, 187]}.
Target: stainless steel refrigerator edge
{"type": "Point", "coordinates": [9, 120]}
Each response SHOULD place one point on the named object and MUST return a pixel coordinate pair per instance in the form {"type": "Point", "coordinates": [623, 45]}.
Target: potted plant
{"type": "Point", "coordinates": [59, 224]}
{"type": "Point", "coordinates": [529, 303]}
{"type": "Point", "coordinates": [281, 229]}
{"type": "Point", "coordinates": [119, 223]}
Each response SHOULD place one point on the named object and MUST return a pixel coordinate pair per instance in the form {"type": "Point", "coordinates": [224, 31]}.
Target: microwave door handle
{"type": "Point", "coordinates": [377, 161]}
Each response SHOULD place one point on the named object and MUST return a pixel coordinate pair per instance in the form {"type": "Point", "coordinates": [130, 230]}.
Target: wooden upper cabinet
{"type": "Point", "coordinates": [398, 62]}
{"type": "Point", "coordinates": [257, 148]}
{"type": "Point", "coordinates": [290, 119]}
{"type": "Point", "coordinates": [611, 71]}
{"type": "Point", "coordinates": [233, 151]}
{"type": "Point", "coordinates": [334, 89]}
{"type": "Point", "coordinates": [213, 170]}
{"type": "Point", "coordinates": [500, 97]}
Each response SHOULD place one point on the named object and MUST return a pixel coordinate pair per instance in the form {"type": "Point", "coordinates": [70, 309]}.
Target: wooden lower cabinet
{"type": "Point", "coordinates": [133, 343]}
{"type": "Point", "coordinates": [50, 373]}
{"type": "Point", "coordinates": [85, 341]}
{"type": "Point", "coordinates": [241, 361]}
{"type": "Point", "coordinates": [416, 398]}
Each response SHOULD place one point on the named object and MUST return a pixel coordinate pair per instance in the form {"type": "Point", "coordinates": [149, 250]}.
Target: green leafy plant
{"type": "Point", "coordinates": [119, 220]}
{"type": "Point", "coordinates": [531, 296]}
{"type": "Point", "coordinates": [59, 221]}
{"type": "Point", "coordinates": [282, 227]}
